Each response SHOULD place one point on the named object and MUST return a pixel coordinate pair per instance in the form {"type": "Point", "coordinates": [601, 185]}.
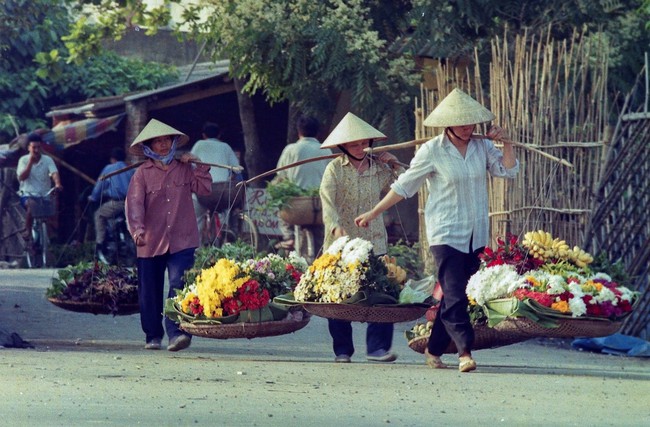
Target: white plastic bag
{"type": "Point", "coordinates": [417, 291]}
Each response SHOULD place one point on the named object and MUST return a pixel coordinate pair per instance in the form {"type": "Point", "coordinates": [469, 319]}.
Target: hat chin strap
{"type": "Point", "coordinates": [347, 153]}
{"type": "Point", "coordinates": [451, 131]}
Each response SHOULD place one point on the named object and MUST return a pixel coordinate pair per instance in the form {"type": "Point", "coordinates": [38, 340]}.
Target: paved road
{"type": "Point", "coordinates": [92, 370]}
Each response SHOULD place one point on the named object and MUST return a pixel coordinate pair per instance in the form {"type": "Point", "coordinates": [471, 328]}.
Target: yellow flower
{"type": "Point", "coordinates": [217, 283]}
{"type": "Point", "coordinates": [561, 306]}
{"type": "Point", "coordinates": [185, 304]}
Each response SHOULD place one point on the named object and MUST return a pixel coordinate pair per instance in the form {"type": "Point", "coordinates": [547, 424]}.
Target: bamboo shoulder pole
{"type": "Point", "coordinates": [235, 169]}
{"type": "Point", "coordinates": [415, 142]}
{"type": "Point", "coordinates": [292, 165]}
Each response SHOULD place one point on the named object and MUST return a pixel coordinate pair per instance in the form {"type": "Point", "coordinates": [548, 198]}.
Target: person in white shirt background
{"type": "Point", "coordinates": [211, 149]}
{"type": "Point", "coordinates": [35, 172]}
{"type": "Point", "coordinates": [455, 166]}
{"type": "Point", "coordinates": [306, 176]}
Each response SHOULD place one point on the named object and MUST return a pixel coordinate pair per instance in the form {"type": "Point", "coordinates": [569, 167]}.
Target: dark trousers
{"type": "Point", "coordinates": [452, 320]}
{"type": "Point", "coordinates": [379, 336]}
{"type": "Point", "coordinates": [151, 286]}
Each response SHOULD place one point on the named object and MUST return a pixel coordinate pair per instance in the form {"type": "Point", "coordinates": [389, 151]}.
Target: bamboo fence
{"type": "Point", "coordinates": [619, 224]}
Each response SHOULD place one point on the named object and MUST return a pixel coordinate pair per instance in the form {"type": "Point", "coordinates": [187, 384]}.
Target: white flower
{"type": "Point", "coordinates": [337, 246]}
{"type": "Point", "coordinates": [576, 290]}
{"type": "Point", "coordinates": [298, 261]}
{"type": "Point", "coordinates": [626, 293]}
{"type": "Point", "coordinates": [356, 250]}
{"type": "Point", "coordinates": [577, 306]}
{"type": "Point", "coordinates": [493, 282]}
{"type": "Point", "coordinates": [606, 294]}
{"type": "Point", "coordinates": [604, 276]}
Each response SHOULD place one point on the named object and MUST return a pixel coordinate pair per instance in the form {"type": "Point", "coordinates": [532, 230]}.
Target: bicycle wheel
{"type": "Point", "coordinates": [34, 250]}
{"type": "Point", "coordinates": [45, 244]}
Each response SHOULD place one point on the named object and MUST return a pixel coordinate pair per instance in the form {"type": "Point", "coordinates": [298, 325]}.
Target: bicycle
{"type": "Point", "coordinates": [41, 208]}
{"type": "Point", "coordinates": [235, 226]}
{"type": "Point", "coordinates": [225, 218]}
{"type": "Point", "coordinates": [304, 242]}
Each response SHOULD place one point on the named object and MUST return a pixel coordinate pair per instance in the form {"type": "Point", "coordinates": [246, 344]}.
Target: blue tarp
{"type": "Point", "coordinates": [617, 344]}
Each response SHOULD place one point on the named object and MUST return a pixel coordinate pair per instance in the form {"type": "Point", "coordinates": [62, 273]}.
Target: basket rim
{"type": "Point", "coordinates": [246, 329]}
{"type": "Point", "coordinates": [362, 313]}
{"type": "Point", "coordinates": [93, 307]}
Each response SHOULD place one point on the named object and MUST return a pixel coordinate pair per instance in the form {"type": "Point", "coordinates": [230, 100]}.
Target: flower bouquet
{"type": "Point", "coordinates": [233, 299]}
{"type": "Point", "coordinates": [542, 287]}
{"type": "Point", "coordinates": [349, 282]}
{"type": "Point", "coordinates": [97, 288]}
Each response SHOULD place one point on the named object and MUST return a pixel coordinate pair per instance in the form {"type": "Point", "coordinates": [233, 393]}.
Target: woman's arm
{"type": "Point", "coordinates": [389, 200]}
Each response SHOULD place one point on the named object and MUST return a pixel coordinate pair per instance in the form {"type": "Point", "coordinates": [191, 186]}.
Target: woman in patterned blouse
{"type": "Point", "coordinates": [352, 184]}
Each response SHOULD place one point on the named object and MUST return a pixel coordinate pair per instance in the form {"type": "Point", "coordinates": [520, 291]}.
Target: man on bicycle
{"type": "Point", "coordinates": [110, 193]}
{"type": "Point", "coordinates": [36, 172]}
{"type": "Point", "coordinates": [211, 149]}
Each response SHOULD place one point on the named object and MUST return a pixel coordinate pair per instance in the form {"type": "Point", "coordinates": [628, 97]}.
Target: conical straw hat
{"type": "Point", "coordinates": [458, 109]}
{"type": "Point", "coordinates": [351, 129]}
{"type": "Point", "coordinates": [154, 129]}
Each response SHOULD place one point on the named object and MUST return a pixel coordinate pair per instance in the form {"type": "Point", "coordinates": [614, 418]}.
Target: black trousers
{"type": "Point", "coordinates": [452, 320]}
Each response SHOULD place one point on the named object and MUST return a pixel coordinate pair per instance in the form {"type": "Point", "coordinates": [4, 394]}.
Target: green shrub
{"type": "Point", "coordinates": [278, 193]}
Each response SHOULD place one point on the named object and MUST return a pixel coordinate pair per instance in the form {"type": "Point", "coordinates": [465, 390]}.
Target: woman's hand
{"type": "Point", "coordinates": [339, 232]}
{"type": "Point", "coordinates": [139, 239]}
{"type": "Point", "coordinates": [389, 159]}
{"type": "Point", "coordinates": [497, 133]}
{"type": "Point", "coordinates": [364, 219]}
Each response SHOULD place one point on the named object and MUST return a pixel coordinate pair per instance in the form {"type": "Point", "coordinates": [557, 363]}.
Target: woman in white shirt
{"type": "Point", "coordinates": [455, 166]}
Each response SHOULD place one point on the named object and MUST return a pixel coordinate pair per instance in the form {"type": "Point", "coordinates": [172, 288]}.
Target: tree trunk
{"type": "Point", "coordinates": [253, 149]}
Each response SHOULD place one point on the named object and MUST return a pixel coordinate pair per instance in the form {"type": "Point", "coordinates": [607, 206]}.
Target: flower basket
{"type": "Point", "coordinates": [530, 319]}
{"type": "Point", "coordinates": [371, 314]}
{"type": "Point", "coordinates": [541, 287]}
{"type": "Point", "coordinates": [95, 288]}
{"type": "Point", "coordinates": [566, 328]}
{"type": "Point", "coordinates": [268, 321]}
{"type": "Point", "coordinates": [484, 338]}
{"type": "Point", "coordinates": [95, 308]}
{"type": "Point", "coordinates": [302, 210]}
{"type": "Point", "coordinates": [249, 330]}
{"type": "Point", "coordinates": [373, 308]}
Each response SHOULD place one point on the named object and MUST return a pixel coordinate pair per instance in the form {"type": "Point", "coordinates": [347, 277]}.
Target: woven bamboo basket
{"type": "Point", "coordinates": [94, 308]}
{"type": "Point", "coordinates": [567, 328]}
{"type": "Point", "coordinates": [302, 210]}
{"type": "Point", "coordinates": [360, 313]}
{"type": "Point", "coordinates": [246, 330]}
{"type": "Point", "coordinates": [484, 337]}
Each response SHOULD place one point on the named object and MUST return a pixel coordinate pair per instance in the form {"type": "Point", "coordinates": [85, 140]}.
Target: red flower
{"type": "Point", "coordinates": [510, 251]}
{"type": "Point", "coordinates": [196, 306]}
{"type": "Point", "coordinates": [541, 297]}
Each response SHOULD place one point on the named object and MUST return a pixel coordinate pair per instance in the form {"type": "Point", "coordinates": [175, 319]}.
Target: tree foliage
{"type": "Point", "coordinates": [35, 74]}
{"type": "Point", "coordinates": [302, 51]}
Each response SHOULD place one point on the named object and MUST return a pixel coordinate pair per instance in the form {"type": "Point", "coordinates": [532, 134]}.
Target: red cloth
{"type": "Point", "coordinates": [159, 206]}
{"type": "Point", "coordinates": [437, 294]}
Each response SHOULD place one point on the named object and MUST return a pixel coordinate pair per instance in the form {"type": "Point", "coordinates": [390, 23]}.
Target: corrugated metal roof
{"type": "Point", "coordinates": [189, 75]}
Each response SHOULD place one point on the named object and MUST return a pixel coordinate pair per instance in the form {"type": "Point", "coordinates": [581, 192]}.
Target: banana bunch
{"type": "Point", "coordinates": [542, 245]}
{"type": "Point", "coordinates": [579, 257]}
{"type": "Point", "coordinates": [396, 273]}
{"type": "Point", "coordinates": [422, 329]}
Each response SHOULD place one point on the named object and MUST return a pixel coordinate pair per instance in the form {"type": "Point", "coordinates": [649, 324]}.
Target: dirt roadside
{"type": "Point", "coordinates": [92, 370]}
